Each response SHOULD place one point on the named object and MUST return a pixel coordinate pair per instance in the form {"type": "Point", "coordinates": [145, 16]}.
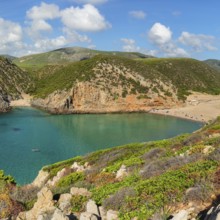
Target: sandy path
{"type": "Point", "coordinates": [22, 102]}
{"type": "Point", "coordinates": [198, 107]}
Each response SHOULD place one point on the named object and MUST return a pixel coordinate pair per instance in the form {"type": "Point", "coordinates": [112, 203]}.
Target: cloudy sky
{"type": "Point", "coordinates": [163, 28]}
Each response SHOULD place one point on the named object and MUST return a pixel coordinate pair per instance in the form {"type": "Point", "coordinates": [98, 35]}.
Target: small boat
{"type": "Point", "coordinates": [35, 150]}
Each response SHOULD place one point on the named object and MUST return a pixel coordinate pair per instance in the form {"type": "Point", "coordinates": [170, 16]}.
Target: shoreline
{"type": "Point", "coordinates": [160, 112]}
{"type": "Point", "coordinates": [198, 107]}
{"type": "Point", "coordinates": [24, 102]}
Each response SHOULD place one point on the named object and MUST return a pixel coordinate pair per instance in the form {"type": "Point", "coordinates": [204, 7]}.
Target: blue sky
{"type": "Point", "coordinates": [163, 28]}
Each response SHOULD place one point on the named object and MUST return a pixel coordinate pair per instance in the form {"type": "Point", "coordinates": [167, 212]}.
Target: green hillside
{"type": "Point", "coordinates": [109, 71]}
{"type": "Point", "coordinates": [13, 80]}
{"type": "Point", "coordinates": [67, 55]}
{"type": "Point", "coordinates": [158, 174]}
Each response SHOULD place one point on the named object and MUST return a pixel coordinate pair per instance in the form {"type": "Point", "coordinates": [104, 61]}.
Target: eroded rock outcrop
{"type": "Point", "coordinates": [4, 102]}
{"type": "Point", "coordinates": [87, 97]}
{"type": "Point", "coordinates": [13, 81]}
{"type": "Point", "coordinates": [43, 206]}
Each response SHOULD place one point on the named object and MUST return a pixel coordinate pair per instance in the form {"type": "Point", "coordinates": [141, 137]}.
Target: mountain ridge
{"type": "Point", "coordinates": [67, 55]}
{"type": "Point", "coordinates": [214, 63]}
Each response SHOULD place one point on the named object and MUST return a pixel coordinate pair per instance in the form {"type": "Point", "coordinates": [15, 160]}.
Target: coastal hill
{"type": "Point", "coordinates": [80, 80]}
{"type": "Point", "coordinates": [14, 81]}
{"type": "Point", "coordinates": [110, 83]}
{"type": "Point", "coordinates": [177, 178]}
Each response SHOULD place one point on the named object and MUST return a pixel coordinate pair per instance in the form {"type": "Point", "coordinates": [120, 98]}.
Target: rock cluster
{"type": "Point", "coordinates": [48, 209]}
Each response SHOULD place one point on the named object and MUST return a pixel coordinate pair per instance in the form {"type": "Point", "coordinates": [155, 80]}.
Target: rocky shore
{"type": "Point", "coordinates": [4, 102]}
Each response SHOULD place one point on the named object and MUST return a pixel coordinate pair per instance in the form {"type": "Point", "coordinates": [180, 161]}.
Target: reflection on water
{"type": "Point", "coordinates": [58, 137]}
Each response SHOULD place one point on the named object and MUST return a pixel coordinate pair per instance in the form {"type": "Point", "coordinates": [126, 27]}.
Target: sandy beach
{"type": "Point", "coordinates": [25, 102]}
{"type": "Point", "coordinates": [198, 107]}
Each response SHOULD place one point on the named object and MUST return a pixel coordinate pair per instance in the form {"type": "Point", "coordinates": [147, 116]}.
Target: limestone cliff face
{"type": "Point", "coordinates": [87, 97]}
{"type": "Point", "coordinates": [112, 88]}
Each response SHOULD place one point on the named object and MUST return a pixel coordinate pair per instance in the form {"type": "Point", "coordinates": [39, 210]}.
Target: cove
{"type": "Point", "coordinates": [30, 138]}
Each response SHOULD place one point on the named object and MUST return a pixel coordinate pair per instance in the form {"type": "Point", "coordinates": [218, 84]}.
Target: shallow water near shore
{"type": "Point", "coordinates": [30, 138]}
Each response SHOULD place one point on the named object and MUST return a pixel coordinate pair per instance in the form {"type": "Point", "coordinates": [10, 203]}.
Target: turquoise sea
{"type": "Point", "coordinates": [59, 137]}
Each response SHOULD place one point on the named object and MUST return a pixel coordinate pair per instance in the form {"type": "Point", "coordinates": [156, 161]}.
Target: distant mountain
{"type": "Point", "coordinates": [8, 57]}
{"type": "Point", "coordinates": [213, 63]}
{"type": "Point", "coordinates": [67, 55]}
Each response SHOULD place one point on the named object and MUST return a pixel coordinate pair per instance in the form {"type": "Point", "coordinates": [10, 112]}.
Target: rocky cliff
{"type": "Point", "coordinates": [88, 97]}
{"type": "Point", "coordinates": [4, 102]}
{"type": "Point", "coordinates": [13, 81]}
{"type": "Point", "coordinates": [116, 84]}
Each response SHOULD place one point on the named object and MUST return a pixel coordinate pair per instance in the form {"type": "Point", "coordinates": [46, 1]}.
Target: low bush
{"type": "Point", "coordinates": [101, 179]}
{"type": "Point", "coordinates": [158, 167]}
{"type": "Point", "coordinates": [56, 167]}
{"type": "Point", "coordinates": [78, 203]}
{"type": "Point", "coordinates": [27, 195]}
{"type": "Point", "coordinates": [200, 192]}
{"type": "Point", "coordinates": [119, 199]}
{"type": "Point", "coordinates": [70, 179]}
{"type": "Point", "coordinates": [8, 179]}
{"type": "Point", "coordinates": [215, 155]}
{"type": "Point", "coordinates": [153, 154]}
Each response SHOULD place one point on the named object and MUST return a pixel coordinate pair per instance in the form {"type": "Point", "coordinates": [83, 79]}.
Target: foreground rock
{"type": "Point", "coordinates": [42, 207]}
{"type": "Point", "coordinates": [4, 102]}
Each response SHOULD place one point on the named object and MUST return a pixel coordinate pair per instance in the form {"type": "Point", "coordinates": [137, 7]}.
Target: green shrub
{"type": "Point", "coordinates": [70, 179]}
{"type": "Point", "coordinates": [7, 179]}
{"type": "Point", "coordinates": [78, 203]}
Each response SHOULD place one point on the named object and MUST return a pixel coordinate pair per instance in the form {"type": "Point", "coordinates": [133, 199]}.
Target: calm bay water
{"type": "Point", "coordinates": [60, 137]}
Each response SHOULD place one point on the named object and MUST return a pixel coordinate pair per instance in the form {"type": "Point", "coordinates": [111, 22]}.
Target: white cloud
{"type": "Point", "coordinates": [129, 45]}
{"type": "Point", "coordinates": [73, 36]}
{"type": "Point", "coordinates": [37, 25]}
{"type": "Point", "coordinates": [92, 47]}
{"type": "Point", "coordinates": [37, 17]}
{"type": "Point", "coordinates": [138, 14]}
{"type": "Point", "coordinates": [198, 42]}
{"type": "Point", "coordinates": [172, 50]}
{"type": "Point", "coordinates": [50, 43]}
{"type": "Point", "coordinates": [160, 34]}
{"type": "Point", "coordinates": [40, 25]}
{"type": "Point", "coordinates": [86, 19]}
{"type": "Point", "coordinates": [11, 35]}
{"type": "Point", "coordinates": [44, 11]}
{"type": "Point", "coordinates": [93, 2]}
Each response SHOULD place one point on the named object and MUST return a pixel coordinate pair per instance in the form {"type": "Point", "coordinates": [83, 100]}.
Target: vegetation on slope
{"type": "Point", "coordinates": [13, 80]}
{"type": "Point", "coordinates": [160, 174]}
{"type": "Point", "coordinates": [160, 177]}
{"type": "Point", "coordinates": [150, 74]}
